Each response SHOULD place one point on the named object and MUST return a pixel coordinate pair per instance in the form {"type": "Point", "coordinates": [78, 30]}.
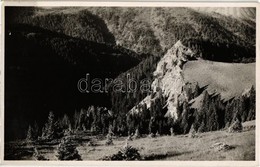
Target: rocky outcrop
{"type": "Point", "coordinates": [169, 81]}
{"type": "Point", "coordinates": [174, 106]}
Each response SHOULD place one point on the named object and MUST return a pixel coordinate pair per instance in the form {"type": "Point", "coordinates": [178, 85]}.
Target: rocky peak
{"type": "Point", "coordinates": [169, 79]}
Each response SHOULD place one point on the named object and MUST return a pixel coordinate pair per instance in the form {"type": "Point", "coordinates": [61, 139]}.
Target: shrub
{"type": "Point", "coordinates": [109, 140]}
{"type": "Point", "coordinates": [126, 153]}
{"type": "Point", "coordinates": [38, 156]}
{"type": "Point", "coordinates": [67, 150]}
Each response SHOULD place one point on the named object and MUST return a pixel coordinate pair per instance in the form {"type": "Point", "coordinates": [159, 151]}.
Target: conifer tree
{"type": "Point", "coordinates": [29, 136]}
{"type": "Point", "coordinates": [35, 130]}
{"type": "Point", "coordinates": [49, 129]}
{"type": "Point", "coordinates": [67, 150]}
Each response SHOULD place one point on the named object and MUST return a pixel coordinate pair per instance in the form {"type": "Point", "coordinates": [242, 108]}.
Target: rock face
{"type": "Point", "coordinates": [169, 79]}
{"type": "Point", "coordinates": [169, 76]}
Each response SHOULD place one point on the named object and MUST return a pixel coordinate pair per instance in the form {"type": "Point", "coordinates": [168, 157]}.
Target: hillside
{"type": "Point", "coordinates": [42, 71]}
{"type": "Point", "coordinates": [155, 30]}
{"type": "Point", "coordinates": [238, 12]}
{"type": "Point", "coordinates": [228, 79]}
{"type": "Point", "coordinates": [81, 24]}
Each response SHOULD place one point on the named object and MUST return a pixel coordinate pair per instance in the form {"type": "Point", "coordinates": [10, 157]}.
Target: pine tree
{"type": "Point", "coordinates": [252, 100]}
{"type": "Point", "coordinates": [35, 130]}
{"type": "Point", "coordinates": [65, 124]}
{"type": "Point", "coordinates": [192, 132]}
{"type": "Point", "coordinates": [67, 150]}
{"type": "Point", "coordinates": [81, 119]}
{"type": "Point", "coordinates": [213, 118]}
{"type": "Point", "coordinates": [49, 130]}
{"type": "Point", "coordinates": [29, 136]}
{"type": "Point", "coordinates": [237, 125]}
{"type": "Point", "coordinates": [137, 134]}
{"type": "Point", "coordinates": [109, 140]}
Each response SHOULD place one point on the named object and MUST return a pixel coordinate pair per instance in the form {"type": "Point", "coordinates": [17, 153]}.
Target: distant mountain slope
{"type": "Point", "coordinates": [248, 13]}
{"type": "Point", "coordinates": [77, 52]}
{"type": "Point", "coordinates": [228, 79]}
{"type": "Point", "coordinates": [156, 30]}
{"type": "Point", "coordinates": [80, 24]}
{"type": "Point", "coordinates": [131, 27]}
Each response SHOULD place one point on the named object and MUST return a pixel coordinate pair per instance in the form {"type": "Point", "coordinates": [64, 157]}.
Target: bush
{"type": "Point", "coordinates": [67, 150]}
{"type": "Point", "coordinates": [38, 156]}
{"type": "Point", "coordinates": [126, 153]}
{"type": "Point", "coordinates": [109, 140]}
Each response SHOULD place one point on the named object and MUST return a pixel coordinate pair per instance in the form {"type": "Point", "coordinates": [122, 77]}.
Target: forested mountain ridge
{"type": "Point", "coordinates": [82, 24]}
{"type": "Point", "coordinates": [156, 30]}
{"type": "Point", "coordinates": [43, 70]}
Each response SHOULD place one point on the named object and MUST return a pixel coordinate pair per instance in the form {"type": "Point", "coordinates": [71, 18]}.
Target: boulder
{"type": "Point", "coordinates": [221, 147]}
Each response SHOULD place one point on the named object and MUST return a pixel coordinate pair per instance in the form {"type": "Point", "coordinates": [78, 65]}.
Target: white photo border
{"type": "Point", "coordinates": [131, 4]}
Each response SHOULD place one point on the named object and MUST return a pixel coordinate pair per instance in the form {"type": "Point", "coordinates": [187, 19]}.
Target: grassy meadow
{"type": "Point", "coordinates": [179, 147]}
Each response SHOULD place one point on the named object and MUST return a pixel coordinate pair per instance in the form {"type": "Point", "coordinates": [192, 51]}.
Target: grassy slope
{"type": "Point", "coordinates": [179, 147]}
{"type": "Point", "coordinates": [229, 79]}
{"type": "Point", "coordinates": [182, 147]}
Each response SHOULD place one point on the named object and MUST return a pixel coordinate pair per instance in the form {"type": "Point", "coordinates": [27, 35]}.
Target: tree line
{"type": "Point", "coordinates": [211, 114]}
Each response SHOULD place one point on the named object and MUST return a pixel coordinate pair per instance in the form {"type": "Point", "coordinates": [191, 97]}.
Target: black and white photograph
{"type": "Point", "coordinates": [129, 83]}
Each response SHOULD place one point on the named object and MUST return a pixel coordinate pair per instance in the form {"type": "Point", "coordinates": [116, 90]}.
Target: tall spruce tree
{"type": "Point", "coordinates": [49, 129]}
{"type": "Point", "coordinates": [29, 136]}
